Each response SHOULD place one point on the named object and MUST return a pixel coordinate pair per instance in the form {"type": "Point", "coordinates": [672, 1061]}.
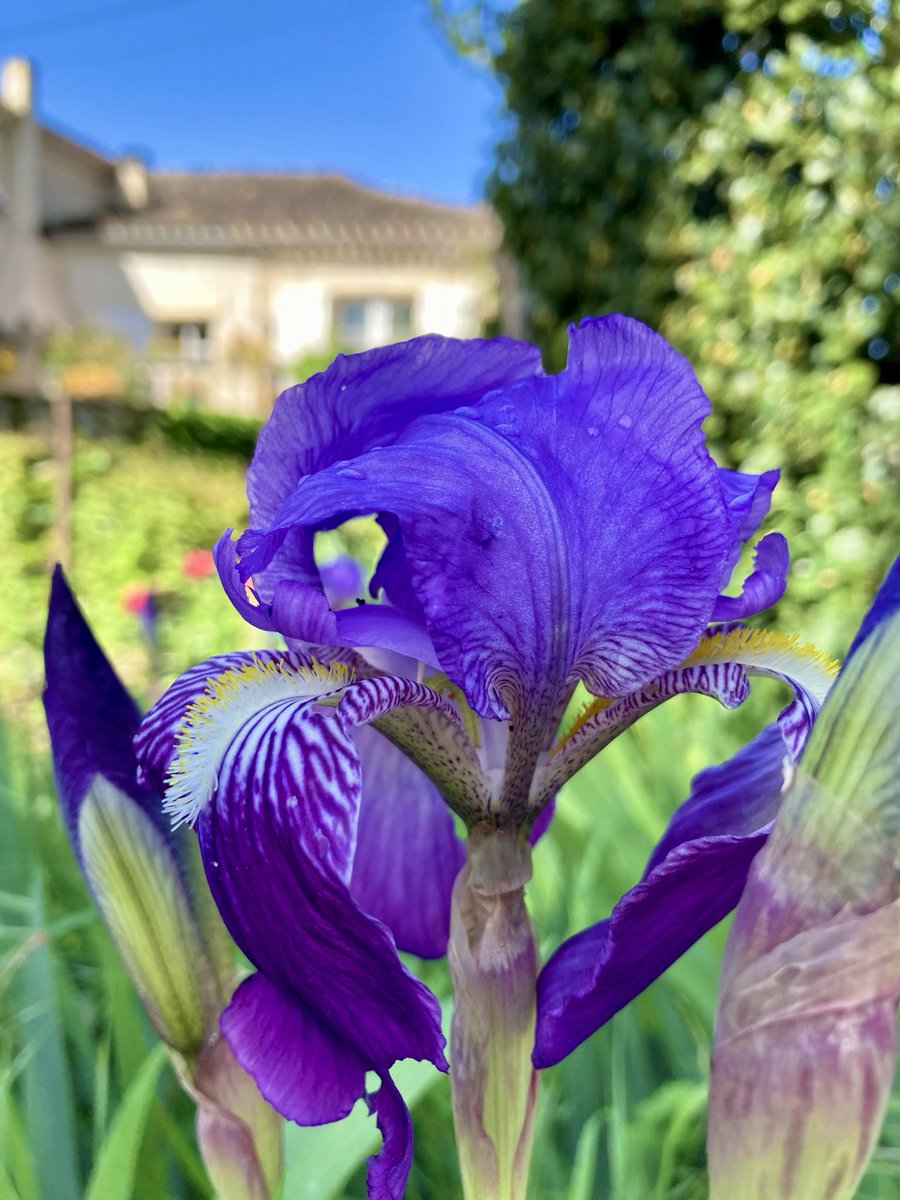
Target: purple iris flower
{"type": "Point", "coordinates": [542, 531]}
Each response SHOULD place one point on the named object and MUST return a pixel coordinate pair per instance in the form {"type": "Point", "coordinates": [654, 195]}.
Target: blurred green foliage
{"type": "Point", "coordinates": [727, 172]}
{"type": "Point", "coordinates": [139, 512]}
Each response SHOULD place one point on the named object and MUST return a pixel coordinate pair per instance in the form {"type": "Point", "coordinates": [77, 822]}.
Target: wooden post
{"type": "Point", "coordinates": [61, 408]}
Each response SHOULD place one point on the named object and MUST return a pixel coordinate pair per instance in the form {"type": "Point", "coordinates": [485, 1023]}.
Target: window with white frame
{"type": "Point", "coordinates": [189, 340]}
{"type": "Point", "coordinates": [363, 322]}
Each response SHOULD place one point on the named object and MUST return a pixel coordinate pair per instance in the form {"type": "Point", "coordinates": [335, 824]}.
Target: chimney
{"type": "Point", "coordinates": [132, 183]}
{"type": "Point", "coordinates": [17, 88]}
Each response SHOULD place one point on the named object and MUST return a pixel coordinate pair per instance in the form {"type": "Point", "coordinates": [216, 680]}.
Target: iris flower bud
{"type": "Point", "coordinates": [806, 1033]}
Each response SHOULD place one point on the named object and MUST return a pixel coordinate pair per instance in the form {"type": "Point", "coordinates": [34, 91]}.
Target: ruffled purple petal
{"type": "Point", "coordinates": [362, 401]}
{"type": "Point", "coordinates": [763, 587]}
{"type": "Point", "coordinates": [91, 717]}
{"type": "Point", "coordinates": [408, 853]}
{"type": "Point", "coordinates": [749, 498]}
{"type": "Point", "coordinates": [526, 521]}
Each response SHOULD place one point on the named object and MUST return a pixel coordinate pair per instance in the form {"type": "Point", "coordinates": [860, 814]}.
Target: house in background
{"type": "Point", "coordinates": [224, 285]}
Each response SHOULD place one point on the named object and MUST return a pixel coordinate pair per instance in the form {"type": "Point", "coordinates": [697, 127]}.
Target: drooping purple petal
{"type": "Point", "coordinates": [603, 968]}
{"type": "Point", "coordinates": [277, 872]}
{"type": "Point", "coordinates": [526, 521]}
{"type": "Point", "coordinates": [91, 717]}
{"type": "Point", "coordinates": [311, 1076]}
{"type": "Point", "coordinates": [737, 797]}
{"type": "Point", "coordinates": [408, 853]}
{"type": "Point", "coordinates": [389, 1169]}
{"type": "Point", "coordinates": [763, 587]}
{"type": "Point", "coordinates": [276, 780]}
{"type": "Point", "coordinates": [696, 874]}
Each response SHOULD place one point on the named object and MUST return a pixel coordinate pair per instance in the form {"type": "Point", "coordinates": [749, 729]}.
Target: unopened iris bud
{"type": "Point", "coordinates": [135, 878]}
{"type": "Point", "coordinates": [806, 1033]}
{"type": "Point", "coordinates": [170, 938]}
{"type": "Point", "coordinates": [494, 963]}
{"type": "Point", "coordinates": [238, 1132]}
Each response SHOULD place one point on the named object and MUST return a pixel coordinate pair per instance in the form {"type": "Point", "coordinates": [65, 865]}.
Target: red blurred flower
{"type": "Point", "coordinates": [198, 564]}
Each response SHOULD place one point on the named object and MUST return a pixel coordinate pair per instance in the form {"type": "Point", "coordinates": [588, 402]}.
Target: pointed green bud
{"type": "Point", "coordinates": [806, 1032]}
{"type": "Point", "coordinates": [140, 890]}
{"type": "Point", "coordinates": [494, 964]}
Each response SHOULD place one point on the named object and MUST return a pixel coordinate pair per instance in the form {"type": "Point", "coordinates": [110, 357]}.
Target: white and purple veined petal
{"type": "Point", "coordinates": [261, 755]}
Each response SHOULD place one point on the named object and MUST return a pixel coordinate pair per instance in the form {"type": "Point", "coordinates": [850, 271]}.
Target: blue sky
{"type": "Point", "coordinates": [368, 88]}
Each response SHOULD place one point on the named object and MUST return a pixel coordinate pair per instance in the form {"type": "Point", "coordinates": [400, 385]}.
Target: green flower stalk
{"type": "Point", "coordinates": [163, 922]}
{"type": "Point", "coordinates": [494, 963]}
{"type": "Point", "coordinates": [806, 1035]}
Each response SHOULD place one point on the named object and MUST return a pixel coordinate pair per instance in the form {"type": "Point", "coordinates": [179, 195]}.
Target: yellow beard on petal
{"type": "Point", "coordinates": [230, 700]}
{"type": "Point", "coordinates": [760, 651]}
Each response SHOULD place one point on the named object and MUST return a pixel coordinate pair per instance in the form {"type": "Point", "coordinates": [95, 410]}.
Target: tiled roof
{"type": "Point", "coordinates": [315, 217]}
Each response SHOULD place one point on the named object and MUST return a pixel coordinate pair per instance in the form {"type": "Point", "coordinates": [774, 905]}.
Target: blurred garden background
{"type": "Point", "coordinates": [727, 172]}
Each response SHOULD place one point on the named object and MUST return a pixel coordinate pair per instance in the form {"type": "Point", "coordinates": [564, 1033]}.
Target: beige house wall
{"type": "Point", "coordinates": [263, 317]}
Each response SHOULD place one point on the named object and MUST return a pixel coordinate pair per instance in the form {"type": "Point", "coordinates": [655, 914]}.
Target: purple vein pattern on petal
{"type": "Point", "coordinates": [408, 854]}
{"type": "Point", "coordinates": [694, 878]}
{"type": "Point", "coordinates": [91, 717]}
{"type": "Point", "coordinates": [362, 401]}
{"type": "Point", "coordinates": [278, 834]}
{"type": "Point", "coordinates": [569, 523]}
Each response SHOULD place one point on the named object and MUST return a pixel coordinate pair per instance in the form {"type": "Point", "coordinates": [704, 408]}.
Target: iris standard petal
{"type": "Point", "coordinates": [362, 401]}
{"type": "Point", "coordinates": [763, 587]}
{"type": "Point", "coordinates": [408, 853]}
{"type": "Point", "coordinates": [696, 874]}
{"type": "Point", "coordinates": [526, 521]}
{"type": "Point", "coordinates": [748, 498]}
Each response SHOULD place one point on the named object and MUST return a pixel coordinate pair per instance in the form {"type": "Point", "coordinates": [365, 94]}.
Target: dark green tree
{"type": "Point", "coordinates": [728, 172]}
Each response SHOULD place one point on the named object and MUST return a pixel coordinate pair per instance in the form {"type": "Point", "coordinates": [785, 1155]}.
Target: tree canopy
{"type": "Point", "coordinates": [728, 171]}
